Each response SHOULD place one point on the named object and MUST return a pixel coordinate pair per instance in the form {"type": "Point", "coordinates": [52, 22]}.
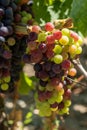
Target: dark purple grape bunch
{"type": "Point", "coordinates": [12, 45]}
{"type": "Point", "coordinates": [51, 52]}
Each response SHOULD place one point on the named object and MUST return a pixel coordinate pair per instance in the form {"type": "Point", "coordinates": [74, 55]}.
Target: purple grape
{"type": "Point", "coordinates": [37, 67]}
{"type": "Point", "coordinates": [47, 66]}
{"type": "Point", "coordinates": [4, 31]}
{"type": "Point", "coordinates": [54, 105]}
{"type": "Point", "coordinates": [43, 83]}
{"type": "Point", "coordinates": [56, 68]}
{"type": "Point", "coordinates": [51, 74]}
{"type": "Point", "coordinates": [9, 13]}
{"type": "Point", "coordinates": [5, 2]}
{"type": "Point", "coordinates": [32, 36]}
{"type": "Point", "coordinates": [1, 12]}
{"type": "Point", "coordinates": [7, 54]}
{"type": "Point", "coordinates": [43, 47]}
{"type": "Point", "coordinates": [26, 58]}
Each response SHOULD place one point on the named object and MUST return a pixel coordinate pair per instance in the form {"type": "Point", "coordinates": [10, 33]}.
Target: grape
{"type": "Point", "coordinates": [17, 18]}
{"type": "Point", "coordinates": [79, 50]}
{"type": "Point", "coordinates": [36, 28]}
{"type": "Point", "coordinates": [2, 40]}
{"type": "Point", "coordinates": [64, 40]}
{"type": "Point", "coordinates": [26, 58]}
{"type": "Point", "coordinates": [49, 26]}
{"type": "Point", "coordinates": [37, 67]}
{"type": "Point", "coordinates": [41, 37]}
{"type": "Point", "coordinates": [36, 56]}
{"type": "Point", "coordinates": [29, 16]}
{"type": "Point", "coordinates": [56, 68]}
{"type": "Point", "coordinates": [43, 47]}
{"type": "Point", "coordinates": [43, 83]}
{"type": "Point", "coordinates": [4, 86]}
{"type": "Point", "coordinates": [67, 94]}
{"type": "Point", "coordinates": [65, 31]}
{"type": "Point", "coordinates": [47, 66]}
{"type": "Point", "coordinates": [59, 98]}
{"type": "Point", "coordinates": [50, 39]}
{"type": "Point", "coordinates": [5, 2]}
{"type": "Point", "coordinates": [67, 103]}
{"type": "Point", "coordinates": [11, 41]}
{"type": "Point", "coordinates": [4, 31]}
{"type": "Point", "coordinates": [54, 81]}
{"type": "Point", "coordinates": [72, 49]}
{"type": "Point", "coordinates": [72, 72]}
{"type": "Point", "coordinates": [32, 36]}
{"type": "Point", "coordinates": [66, 64]}
{"type": "Point", "coordinates": [74, 35]}
{"type": "Point", "coordinates": [24, 20]}
{"type": "Point", "coordinates": [9, 13]}
{"type": "Point", "coordinates": [32, 45]}
{"type": "Point", "coordinates": [7, 54]}
{"type": "Point", "coordinates": [1, 12]}
{"type": "Point", "coordinates": [43, 75]}
{"type": "Point", "coordinates": [57, 35]}
{"type": "Point", "coordinates": [57, 49]}
{"type": "Point", "coordinates": [58, 59]}
{"type": "Point", "coordinates": [59, 86]}
{"type": "Point", "coordinates": [7, 79]}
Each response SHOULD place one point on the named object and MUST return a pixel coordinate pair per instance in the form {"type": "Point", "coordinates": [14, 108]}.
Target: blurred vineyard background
{"type": "Point", "coordinates": [20, 107]}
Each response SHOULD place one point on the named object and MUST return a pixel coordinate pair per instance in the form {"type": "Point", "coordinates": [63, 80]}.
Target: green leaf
{"type": "Point", "coordinates": [25, 84]}
{"type": "Point", "coordinates": [79, 15]}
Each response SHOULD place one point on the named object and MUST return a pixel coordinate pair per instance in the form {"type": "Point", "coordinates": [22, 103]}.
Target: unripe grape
{"type": "Point", "coordinates": [41, 37]}
{"type": "Point", "coordinates": [65, 31]}
{"type": "Point", "coordinates": [57, 49]}
{"type": "Point", "coordinates": [64, 40]}
{"type": "Point", "coordinates": [4, 86]}
{"type": "Point", "coordinates": [58, 59]}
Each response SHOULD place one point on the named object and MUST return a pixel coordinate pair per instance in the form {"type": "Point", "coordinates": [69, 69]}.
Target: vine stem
{"type": "Point", "coordinates": [80, 67]}
{"type": "Point", "coordinates": [50, 122]}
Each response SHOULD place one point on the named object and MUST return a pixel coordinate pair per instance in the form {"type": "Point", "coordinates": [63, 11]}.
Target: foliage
{"type": "Point", "coordinates": [49, 10]}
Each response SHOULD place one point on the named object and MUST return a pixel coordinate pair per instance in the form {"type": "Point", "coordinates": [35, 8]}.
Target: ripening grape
{"type": "Point", "coordinates": [72, 49]}
{"type": "Point", "coordinates": [49, 26]}
{"type": "Point", "coordinates": [36, 28]}
{"type": "Point", "coordinates": [79, 50]}
{"type": "Point", "coordinates": [50, 39]}
{"type": "Point", "coordinates": [57, 34]}
{"type": "Point", "coordinates": [74, 35]}
{"type": "Point", "coordinates": [72, 72]}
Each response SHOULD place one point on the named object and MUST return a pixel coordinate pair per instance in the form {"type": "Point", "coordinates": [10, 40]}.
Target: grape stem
{"type": "Point", "coordinates": [80, 67]}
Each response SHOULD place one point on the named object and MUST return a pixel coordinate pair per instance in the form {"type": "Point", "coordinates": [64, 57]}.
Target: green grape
{"type": "Point", "coordinates": [41, 37]}
{"type": "Point", "coordinates": [51, 100]}
{"type": "Point", "coordinates": [61, 92]}
{"type": "Point", "coordinates": [64, 40]}
{"type": "Point", "coordinates": [58, 59]}
{"type": "Point", "coordinates": [7, 79]}
{"type": "Point", "coordinates": [54, 109]}
{"type": "Point", "coordinates": [24, 20]}
{"type": "Point", "coordinates": [80, 41]}
{"type": "Point", "coordinates": [49, 87]}
{"type": "Point", "coordinates": [24, 13]}
{"type": "Point", "coordinates": [65, 31]}
{"type": "Point", "coordinates": [59, 98]}
{"type": "Point", "coordinates": [11, 41]}
{"type": "Point", "coordinates": [57, 49]}
{"type": "Point", "coordinates": [41, 88]}
{"type": "Point", "coordinates": [65, 110]}
{"type": "Point", "coordinates": [29, 16]}
{"type": "Point", "coordinates": [79, 50]}
{"type": "Point", "coordinates": [4, 86]}
{"type": "Point", "coordinates": [67, 103]}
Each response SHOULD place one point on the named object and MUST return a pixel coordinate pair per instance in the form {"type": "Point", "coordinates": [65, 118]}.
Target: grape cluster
{"type": "Point", "coordinates": [12, 45]}
{"type": "Point", "coordinates": [51, 51]}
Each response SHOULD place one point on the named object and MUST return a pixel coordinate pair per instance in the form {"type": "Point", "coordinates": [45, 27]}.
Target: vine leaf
{"type": "Point", "coordinates": [25, 85]}
{"type": "Point", "coordinates": [79, 15]}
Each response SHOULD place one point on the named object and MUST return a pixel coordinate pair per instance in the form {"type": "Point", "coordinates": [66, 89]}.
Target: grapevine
{"type": "Point", "coordinates": [52, 52]}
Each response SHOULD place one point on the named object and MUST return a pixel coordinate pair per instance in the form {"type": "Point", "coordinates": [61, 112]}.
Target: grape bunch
{"type": "Point", "coordinates": [12, 45]}
{"type": "Point", "coordinates": [51, 51]}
